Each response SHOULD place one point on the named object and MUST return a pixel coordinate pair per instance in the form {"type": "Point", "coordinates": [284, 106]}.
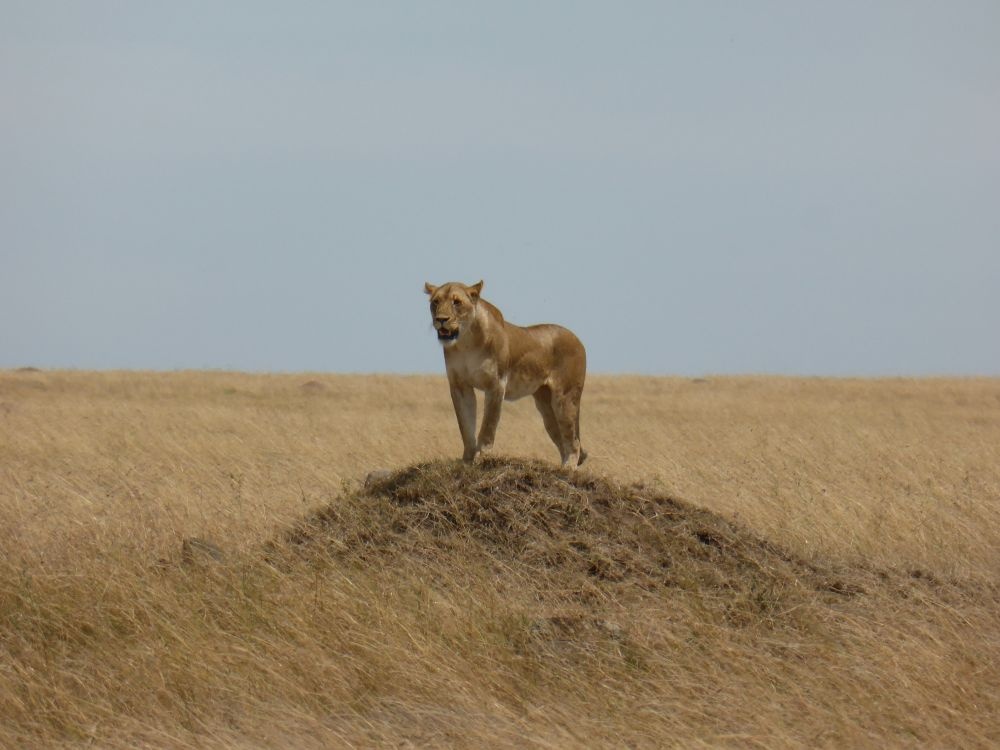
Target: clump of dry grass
{"type": "Point", "coordinates": [509, 604]}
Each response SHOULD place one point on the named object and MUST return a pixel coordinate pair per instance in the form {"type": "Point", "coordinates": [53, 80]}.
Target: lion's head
{"type": "Point", "coordinates": [452, 308]}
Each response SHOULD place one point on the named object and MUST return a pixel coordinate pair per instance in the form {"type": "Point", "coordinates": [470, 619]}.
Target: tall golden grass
{"type": "Point", "coordinates": [762, 562]}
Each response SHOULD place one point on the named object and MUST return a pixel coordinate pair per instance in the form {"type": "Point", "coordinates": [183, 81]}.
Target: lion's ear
{"type": "Point", "coordinates": [475, 289]}
{"type": "Point", "coordinates": [429, 288]}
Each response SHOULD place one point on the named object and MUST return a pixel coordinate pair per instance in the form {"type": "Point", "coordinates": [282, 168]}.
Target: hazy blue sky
{"type": "Point", "coordinates": [699, 187]}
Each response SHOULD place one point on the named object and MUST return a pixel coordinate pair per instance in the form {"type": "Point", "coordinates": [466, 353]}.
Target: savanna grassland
{"type": "Point", "coordinates": [745, 562]}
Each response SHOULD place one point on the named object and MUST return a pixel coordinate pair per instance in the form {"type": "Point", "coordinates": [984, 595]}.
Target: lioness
{"type": "Point", "coordinates": [483, 351]}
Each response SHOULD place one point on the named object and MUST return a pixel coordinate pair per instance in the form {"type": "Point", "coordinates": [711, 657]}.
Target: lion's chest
{"type": "Point", "coordinates": [473, 368]}
{"type": "Point", "coordinates": [483, 372]}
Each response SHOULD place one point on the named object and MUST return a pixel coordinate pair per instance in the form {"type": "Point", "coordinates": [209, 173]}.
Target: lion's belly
{"type": "Point", "coordinates": [519, 386]}
{"type": "Point", "coordinates": [532, 359]}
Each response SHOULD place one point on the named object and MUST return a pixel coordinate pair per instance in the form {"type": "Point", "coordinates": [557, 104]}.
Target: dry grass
{"type": "Point", "coordinates": [745, 562]}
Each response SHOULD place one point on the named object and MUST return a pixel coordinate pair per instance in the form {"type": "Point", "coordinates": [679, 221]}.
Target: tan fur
{"type": "Point", "coordinates": [484, 352]}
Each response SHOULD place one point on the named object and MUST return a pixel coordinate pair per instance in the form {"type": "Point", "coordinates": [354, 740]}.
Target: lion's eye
{"type": "Point", "coordinates": [456, 303]}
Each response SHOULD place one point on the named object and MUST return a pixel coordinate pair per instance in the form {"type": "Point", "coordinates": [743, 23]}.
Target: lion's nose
{"type": "Point", "coordinates": [441, 320]}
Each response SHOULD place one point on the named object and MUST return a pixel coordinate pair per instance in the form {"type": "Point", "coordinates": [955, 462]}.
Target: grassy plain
{"type": "Point", "coordinates": [748, 562]}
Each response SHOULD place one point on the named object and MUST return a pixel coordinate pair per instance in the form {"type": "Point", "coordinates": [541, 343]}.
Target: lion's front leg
{"type": "Point", "coordinates": [464, 400]}
{"type": "Point", "coordinates": [491, 418]}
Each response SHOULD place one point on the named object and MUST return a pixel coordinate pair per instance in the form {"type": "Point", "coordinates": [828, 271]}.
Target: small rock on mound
{"type": "Point", "coordinates": [312, 386]}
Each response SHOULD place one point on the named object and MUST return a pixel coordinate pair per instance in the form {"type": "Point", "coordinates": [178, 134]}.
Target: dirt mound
{"type": "Point", "coordinates": [555, 524]}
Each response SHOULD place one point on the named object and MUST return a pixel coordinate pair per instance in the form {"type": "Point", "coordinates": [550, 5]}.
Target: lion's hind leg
{"type": "Point", "coordinates": [583, 453]}
{"type": "Point", "coordinates": [566, 407]}
{"type": "Point", "coordinates": [543, 402]}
